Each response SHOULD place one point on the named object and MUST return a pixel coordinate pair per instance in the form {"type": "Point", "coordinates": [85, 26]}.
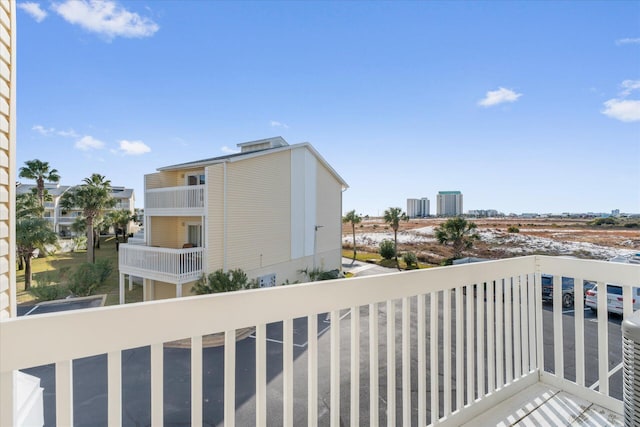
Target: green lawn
{"type": "Point", "coordinates": [72, 259]}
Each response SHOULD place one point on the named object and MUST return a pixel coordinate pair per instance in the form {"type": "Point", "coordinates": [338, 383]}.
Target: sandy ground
{"type": "Point", "coordinates": [552, 236]}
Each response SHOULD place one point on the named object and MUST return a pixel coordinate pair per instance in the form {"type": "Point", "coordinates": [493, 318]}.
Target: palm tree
{"type": "Point", "coordinates": [120, 220]}
{"type": "Point", "coordinates": [393, 216]}
{"type": "Point", "coordinates": [353, 218]}
{"type": "Point", "coordinates": [93, 197]}
{"type": "Point", "coordinates": [31, 234]}
{"type": "Point", "coordinates": [459, 233]}
{"type": "Point", "coordinates": [40, 172]}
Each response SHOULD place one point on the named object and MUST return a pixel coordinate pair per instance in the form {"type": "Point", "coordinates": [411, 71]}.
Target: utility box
{"type": "Point", "coordinates": [631, 370]}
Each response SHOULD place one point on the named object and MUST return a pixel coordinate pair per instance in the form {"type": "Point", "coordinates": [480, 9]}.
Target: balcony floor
{"type": "Point", "coordinates": [544, 405]}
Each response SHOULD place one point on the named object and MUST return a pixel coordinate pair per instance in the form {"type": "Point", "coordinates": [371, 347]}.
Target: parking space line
{"type": "Point", "coordinates": [304, 345]}
{"type": "Point", "coordinates": [32, 310]}
{"type": "Point", "coordinates": [572, 311]}
{"type": "Point", "coordinates": [609, 375]}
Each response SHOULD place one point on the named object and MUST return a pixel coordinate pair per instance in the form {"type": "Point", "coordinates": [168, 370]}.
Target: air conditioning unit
{"type": "Point", "coordinates": [631, 370]}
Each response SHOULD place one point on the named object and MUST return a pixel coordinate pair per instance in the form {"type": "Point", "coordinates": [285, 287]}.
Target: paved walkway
{"type": "Point", "coordinates": [359, 268]}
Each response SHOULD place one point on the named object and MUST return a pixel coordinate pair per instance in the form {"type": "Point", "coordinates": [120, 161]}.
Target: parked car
{"type": "Point", "coordinates": [614, 298]}
{"type": "Point", "coordinates": [567, 289]}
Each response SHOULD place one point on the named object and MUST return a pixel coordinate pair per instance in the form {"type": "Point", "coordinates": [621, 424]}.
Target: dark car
{"type": "Point", "coordinates": [567, 289]}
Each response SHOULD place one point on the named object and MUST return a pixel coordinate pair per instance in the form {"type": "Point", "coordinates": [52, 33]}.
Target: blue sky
{"type": "Point", "coordinates": [522, 106]}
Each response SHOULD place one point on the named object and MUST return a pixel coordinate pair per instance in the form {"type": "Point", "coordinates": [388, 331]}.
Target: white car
{"type": "Point", "coordinates": [614, 298]}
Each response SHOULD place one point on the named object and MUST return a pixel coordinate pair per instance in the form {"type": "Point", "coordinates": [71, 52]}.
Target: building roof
{"type": "Point", "coordinates": [56, 190]}
{"type": "Point", "coordinates": [250, 154]}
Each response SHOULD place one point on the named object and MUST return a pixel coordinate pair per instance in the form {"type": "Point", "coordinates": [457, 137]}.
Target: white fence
{"type": "Point", "coordinates": [165, 264]}
{"type": "Point", "coordinates": [175, 200]}
{"type": "Point", "coordinates": [464, 338]}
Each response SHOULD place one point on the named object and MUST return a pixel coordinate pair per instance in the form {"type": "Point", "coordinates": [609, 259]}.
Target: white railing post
{"type": "Point", "coordinates": [335, 369]}
{"type": "Point", "coordinates": [114, 388]}
{"type": "Point", "coordinates": [64, 393]}
{"type": "Point", "coordinates": [373, 364]}
{"type": "Point", "coordinates": [312, 370]}
{"type": "Point", "coordinates": [355, 365]}
{"type": "Point", "coordinates": [8, 391]}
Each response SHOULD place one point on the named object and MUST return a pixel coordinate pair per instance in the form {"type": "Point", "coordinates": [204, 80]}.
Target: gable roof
{"type": "Point", "coordinates": [236, 157]}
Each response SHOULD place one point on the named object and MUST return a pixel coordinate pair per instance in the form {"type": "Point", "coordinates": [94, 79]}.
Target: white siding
{"type": "Point", "coordinates": [303, 202]}
{"type": "Point", "coordinates": [7, 153]}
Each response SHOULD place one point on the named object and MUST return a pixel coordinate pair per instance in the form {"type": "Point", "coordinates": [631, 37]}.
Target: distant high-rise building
{"type": "Point", "coordinates": [449, 203]}
{"type": "Point", "coordinates": [418, 208]}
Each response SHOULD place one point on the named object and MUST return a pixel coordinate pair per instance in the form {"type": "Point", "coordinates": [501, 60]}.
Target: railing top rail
{"type": "Point", "coordinates": [154, 249]}
{"type": "Point", "coordinates": [601, 271]}
{"type": "Point", "coordinates": [133, 325]}
{"type": "Point", "coordinates": [175, 188]}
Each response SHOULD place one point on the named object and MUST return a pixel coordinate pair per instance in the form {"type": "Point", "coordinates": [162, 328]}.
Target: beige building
{"type": "Point", "coordinates": [272, 210]}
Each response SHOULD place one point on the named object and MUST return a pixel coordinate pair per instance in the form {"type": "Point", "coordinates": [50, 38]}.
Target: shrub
{"type": "Point", "coordinates": [48, 292]}
{"type": "Point", "coordinates": [316, 275]}
{"type": "Point", "coordinates": [219, 281]}
{"type": "Point", "coordinates": [513, 229]}
{"type": "Point", "coordinates": [410, 259]}
{"type": "Point", "coordinates": [88, 277]}
{"type": "Point", "coordinates": [387, 249]}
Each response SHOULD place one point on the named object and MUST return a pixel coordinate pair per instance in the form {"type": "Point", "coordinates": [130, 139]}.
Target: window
{"type": "Point", "coordinates": [196, 179]}
{"type": "Point", "coordinates": [194, 234]}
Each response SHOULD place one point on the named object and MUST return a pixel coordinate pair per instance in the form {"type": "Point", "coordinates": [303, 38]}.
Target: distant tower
{"type": "Point", "coordinates": [418, 208]}
{"type": "Point", "coordinates": [449, 203]}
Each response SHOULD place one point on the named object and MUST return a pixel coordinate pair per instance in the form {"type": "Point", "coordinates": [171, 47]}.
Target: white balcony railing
{"type": "Point", "coordinates": [188, 199]}
{"type": "Point", "coordinates": [441, 345]}
{"type": "Point", "coordinates": [165, 264]}
{"type": "Point", "coordinates": [136, 240]}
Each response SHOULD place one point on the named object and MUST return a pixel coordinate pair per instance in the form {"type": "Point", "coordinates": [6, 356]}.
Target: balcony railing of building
{"type": "Point", "coordinates": [439, 345]}
{"type": "Point", "coordinates": [183, 200]}
{"type": "Point", "coordinates": [136, 240]}
{"type": "Point", "coordinates": [165, 264]}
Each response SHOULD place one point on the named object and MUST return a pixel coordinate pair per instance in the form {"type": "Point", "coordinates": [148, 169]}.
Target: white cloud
{"type": "Point", "coordinates": [228, 150]}
{"type": "Point", "coordinates": [133, 148]}
{"type": "Point", "coordinates": [88, 142]}
{"type": "Point", "coordinates": [42, 130]}
{"type": "Point", "coordinates": [34, 10]}
{"type": "Point", "coordinates": [629, 86]}
{"type": "Point", "coordinates": [628, 41]}
{"type": "Point", "coordinates": [620, 108]}
{"type": "Point", "coordinates": [68, 133]}
{"type": "Point", "coordinates": [500, 96]}
{"type": "Point", "coordinates": [106, 18]}
{"type": "Point", "coordinates": [275, 124]}
{"type": "Point", "coordinates": [625, 110]}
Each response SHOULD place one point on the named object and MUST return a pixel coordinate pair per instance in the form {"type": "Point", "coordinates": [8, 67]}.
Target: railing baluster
{"type": "Point", "coordinates": [459, 350]}
{"type": "Point", "coordinates": [524, 322]}
{"type": "Point", "coordinates": [373, 364]}
{"type": "Point", "coordinates": [508, 329]}
{"type": "Point", "coordinates": [335, 369]}
{"type": "Point", "coordinates": [578, 306]}
{"type": "Point", "coordinates": [480, 331]}
{"type": "Point", "coordinates": [355, 365]}
{"type": "Point", "coordinates": [261, 375]}
{"type": "Point", "coordinates": [391, 363]}
{"type": "Point", "coordinates": [433, 340]}
{"type": "Point", "coordinates": [312, 370]}
{"type": "Point", "coordinates": [230, 377]}
{"type": "Point", "coordinates": [603, 340]}
{"type": "Point", "coordinates": [287, 373]}
{"type": "Point", "coordinates": [114, 388]}
{"type": "Point", "coordinates": [532, 321]}
{"type": "Point", "coordinates": [64, 393]}
{"type": "Point", "coordinates": [196, 380]}
{"type": "Point", "coordinates": [491, 349]}
{"type": "Point", "coordinates": [157, 384]}
{"type": "Point", "coordinates": [558, 342]}
{"type": "Point", "coordinates": [446, 350]}
{"type": "Point", "coordinates": [406, 362]}
{"type": "Point", "coordinates": [470, 345]}
{"type": "Point", "coordinates": [517, 339]}
{"type": "Point", "coordinates": [422, 361]}
{"type": "Point", "coordinates": [499, 318]}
